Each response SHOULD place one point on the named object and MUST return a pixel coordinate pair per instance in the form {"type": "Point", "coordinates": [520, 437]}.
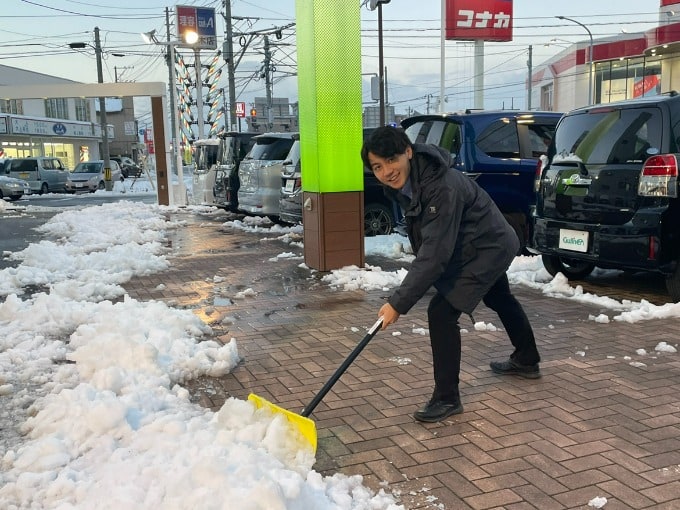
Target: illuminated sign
{"type": "Point", "coordinates": [199, 21]}
{"type": "Point", "coordinates": [486, 20]}
{"type": "Point", "coordinates": [240, 109]}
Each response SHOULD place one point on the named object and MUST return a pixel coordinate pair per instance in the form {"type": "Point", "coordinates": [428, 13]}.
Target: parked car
{"type": "Point", "coordinates": [260, 174]}
{"type": "Point", "coordinates": [204, 170]}
{"type": "Point", "coordinates": [608, 193]}
{"type": "Point", "coordinates": [89, 176]}
{"type": "Point", "coordinates": [43, 174]}
{"type": "Point", "coordinates": [499, 149]}
{"type": "Point", "coordinates": [381, 214]}
{"type": "Point", "coordinates": [13, 188]}
{"type": "Point", "coordinates": [233, 148]}
{"type": "Point", "coordinates": [127, 166]}
{"type": "Point", "coordinates": [290, 202]}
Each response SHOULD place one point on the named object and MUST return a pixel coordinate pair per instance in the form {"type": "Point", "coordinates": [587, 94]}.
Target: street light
{"type": "Point", "coordinates": [590, 57]}
{"type": "Point", "coordinates": [373, 4]}
{"type": "Point", "coordinates": [102, 106]}
{"type": "Point", "coordinates": [150, 38]}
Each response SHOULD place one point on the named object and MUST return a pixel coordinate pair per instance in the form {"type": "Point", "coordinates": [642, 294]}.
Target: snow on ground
{"type": "Point", "coordinates": [93, 376]}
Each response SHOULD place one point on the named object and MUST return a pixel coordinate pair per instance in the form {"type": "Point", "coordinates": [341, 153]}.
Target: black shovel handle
{"type": "Point", "coordinates": [345, 365]}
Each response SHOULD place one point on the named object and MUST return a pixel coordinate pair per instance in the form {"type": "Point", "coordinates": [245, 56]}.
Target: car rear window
{"type": "Point", "coordinates": [270, 149]}
{"type": "Point", "coordinates": [609, 135]}
{"type": "Point", "coordinates": [23, 165]}
{"type": "Point", "coordinates": [438, 132]}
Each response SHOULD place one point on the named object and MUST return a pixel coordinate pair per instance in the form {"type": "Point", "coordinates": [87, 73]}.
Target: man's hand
{"type": "Point", "coordinates": [388, 314]}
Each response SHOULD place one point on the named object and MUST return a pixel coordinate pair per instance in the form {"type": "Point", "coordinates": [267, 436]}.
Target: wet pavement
{"type": "Point", "coordinates": [603, 421]}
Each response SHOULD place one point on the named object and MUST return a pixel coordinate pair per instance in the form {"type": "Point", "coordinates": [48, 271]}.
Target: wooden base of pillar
{"type": "Point", "coordinates": [333, 229]}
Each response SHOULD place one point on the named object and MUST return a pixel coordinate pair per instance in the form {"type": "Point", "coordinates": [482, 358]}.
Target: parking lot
{"type": "Point", "coordinates": [603, 422]}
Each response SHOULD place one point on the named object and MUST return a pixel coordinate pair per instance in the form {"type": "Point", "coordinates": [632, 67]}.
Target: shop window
{"type": "Point", "coordinates": [628, 79]}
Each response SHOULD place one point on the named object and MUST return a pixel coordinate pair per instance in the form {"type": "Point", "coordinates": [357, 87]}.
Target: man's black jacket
{"type": "Point", "coordinates": [462, 242]}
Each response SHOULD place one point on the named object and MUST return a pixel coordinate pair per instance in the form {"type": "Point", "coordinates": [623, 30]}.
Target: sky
{"type": "Point", "coordinates": [36, 34]}
{"type": "Point", "coordinates": [93, 413]}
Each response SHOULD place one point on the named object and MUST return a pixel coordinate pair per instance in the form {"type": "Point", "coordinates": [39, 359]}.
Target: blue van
{"type": "Point", "coordinates": [499, 149]}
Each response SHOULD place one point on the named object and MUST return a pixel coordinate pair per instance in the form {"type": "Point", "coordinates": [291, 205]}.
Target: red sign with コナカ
{"type": "Point", "coordinates": [488, 20]}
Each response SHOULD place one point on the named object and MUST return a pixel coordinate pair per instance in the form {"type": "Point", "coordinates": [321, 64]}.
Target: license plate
{"type": "Point", "coordinates": [23, 175]}
{"type": "Point", "coordinates": [79, 184]}
{"type": "Point", "coordinates": [573, 240]}
{"type": "Point", "coordinates": [290, 185]}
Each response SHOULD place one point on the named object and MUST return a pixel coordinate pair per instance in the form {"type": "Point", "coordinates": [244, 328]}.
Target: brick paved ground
{"type": "Point", "coordinates": [594, 425]}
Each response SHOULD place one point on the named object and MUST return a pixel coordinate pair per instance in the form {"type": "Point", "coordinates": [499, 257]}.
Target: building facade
{"type": "Point", "coordinates": [627, 66]}
{"type": "Point", "coordinates": [68, 128]}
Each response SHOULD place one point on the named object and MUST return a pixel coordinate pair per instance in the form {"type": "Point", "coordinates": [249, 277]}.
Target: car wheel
{"type": "Point", "coordinates": [673, 284]}
{"type": "Point", "coordinates": [101, 185]}
{"type": "Point", "coordinates": [44, 188]}
{"type": "Point", "coordinates": [377, 220]}
{"type": "Point", "coordinates": [571, 268]}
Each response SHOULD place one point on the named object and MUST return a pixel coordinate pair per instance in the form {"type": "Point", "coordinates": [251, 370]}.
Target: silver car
{"type": "Point", "coordinates": [89, 176]}
{"type": "Point", "coordinates": [12, 188]}
{"type": "Point", "coordinates": [44, 174]}
{"type": "Point", "coordinates": [260, 174]}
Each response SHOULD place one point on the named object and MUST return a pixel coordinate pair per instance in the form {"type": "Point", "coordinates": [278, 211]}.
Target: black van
{"type": "Point", "coordinates": [232, 149]}
{"type": "Point", "coordinates": [608, 194]}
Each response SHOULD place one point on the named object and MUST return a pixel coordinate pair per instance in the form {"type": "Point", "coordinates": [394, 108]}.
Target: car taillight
{"type": "Point", "coordinates": [539, 171]}
{"type": "Point", "coordinates": [659, 177]}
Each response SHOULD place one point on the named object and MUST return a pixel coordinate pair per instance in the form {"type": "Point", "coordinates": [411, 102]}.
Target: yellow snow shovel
{"type": "Point", "coordinates": [302, 421]}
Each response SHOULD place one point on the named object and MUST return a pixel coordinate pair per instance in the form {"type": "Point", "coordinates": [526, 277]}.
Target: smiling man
{"type": "Point", "coordinates": [463, 247]}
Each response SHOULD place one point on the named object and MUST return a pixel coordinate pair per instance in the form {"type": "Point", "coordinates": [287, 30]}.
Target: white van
{"type": "Point", "coordinates": [43, 174]}
{"type": "Point", "coordinates": [205, 168]}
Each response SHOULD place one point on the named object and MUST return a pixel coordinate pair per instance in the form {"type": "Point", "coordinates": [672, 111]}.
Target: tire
{"type": "Point", "coordinates": [571, 268]}
{"type": "Point", "coordinates": [101, 185]}
{"type": "Point", "coordinates": [377, 220]}
{"type": "Point", "coordinates": [44, 188]}
{"type": "Point", "coordinates": [673, 284]}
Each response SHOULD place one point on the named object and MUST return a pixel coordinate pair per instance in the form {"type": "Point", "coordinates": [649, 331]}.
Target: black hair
{"type": "Point", "coordinates": [385, 141]}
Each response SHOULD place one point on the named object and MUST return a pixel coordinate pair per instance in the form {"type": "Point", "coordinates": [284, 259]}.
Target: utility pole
{"type": "Point", "coordinates": [229, 55]}
{"type": "Point", "coordinates": [529, 65]}
{"type": "Point", "coordinates": [102, 107]}
{"type": "Point", "coordinates": [199, 92]}
{"type": "Point", "coordinates": [268, 79]}
{"type": "Point", "coordinates": [172, 81]}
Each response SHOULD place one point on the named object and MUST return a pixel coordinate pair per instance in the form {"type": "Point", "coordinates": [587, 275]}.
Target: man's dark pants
{"type": "Point", "coordinates": [445, 336]}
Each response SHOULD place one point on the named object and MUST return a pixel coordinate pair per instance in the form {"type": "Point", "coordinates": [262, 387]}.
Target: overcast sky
{"type": "Point", "coordinates": [36, 36]}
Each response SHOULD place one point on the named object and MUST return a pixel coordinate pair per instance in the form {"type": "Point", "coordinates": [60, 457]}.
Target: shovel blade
{"type": "Point", "coordinates": [305, 425]}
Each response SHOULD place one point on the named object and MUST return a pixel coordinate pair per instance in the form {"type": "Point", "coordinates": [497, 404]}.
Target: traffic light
{"type": "Point", "coordinates": [253, 112]}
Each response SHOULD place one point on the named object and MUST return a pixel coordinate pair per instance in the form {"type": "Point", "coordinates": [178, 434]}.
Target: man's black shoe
{"type": "Point", "coordinates": [437, 410]}
{"type": "Point", "coordinates": [511, 367]}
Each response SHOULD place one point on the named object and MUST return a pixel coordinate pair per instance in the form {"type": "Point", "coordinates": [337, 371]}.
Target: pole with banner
{"type": "Point", "coordinates": [240, 112]}
{"type": "Point", "coordinates": [479, 21]}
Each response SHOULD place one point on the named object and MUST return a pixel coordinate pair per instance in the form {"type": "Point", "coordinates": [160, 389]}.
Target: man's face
{"type": "Point", "coordinates": [392, 171]}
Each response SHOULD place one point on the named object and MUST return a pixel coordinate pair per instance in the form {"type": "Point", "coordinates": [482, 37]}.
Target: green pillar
{"type": "Point", "coordinates": [329, 95]}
